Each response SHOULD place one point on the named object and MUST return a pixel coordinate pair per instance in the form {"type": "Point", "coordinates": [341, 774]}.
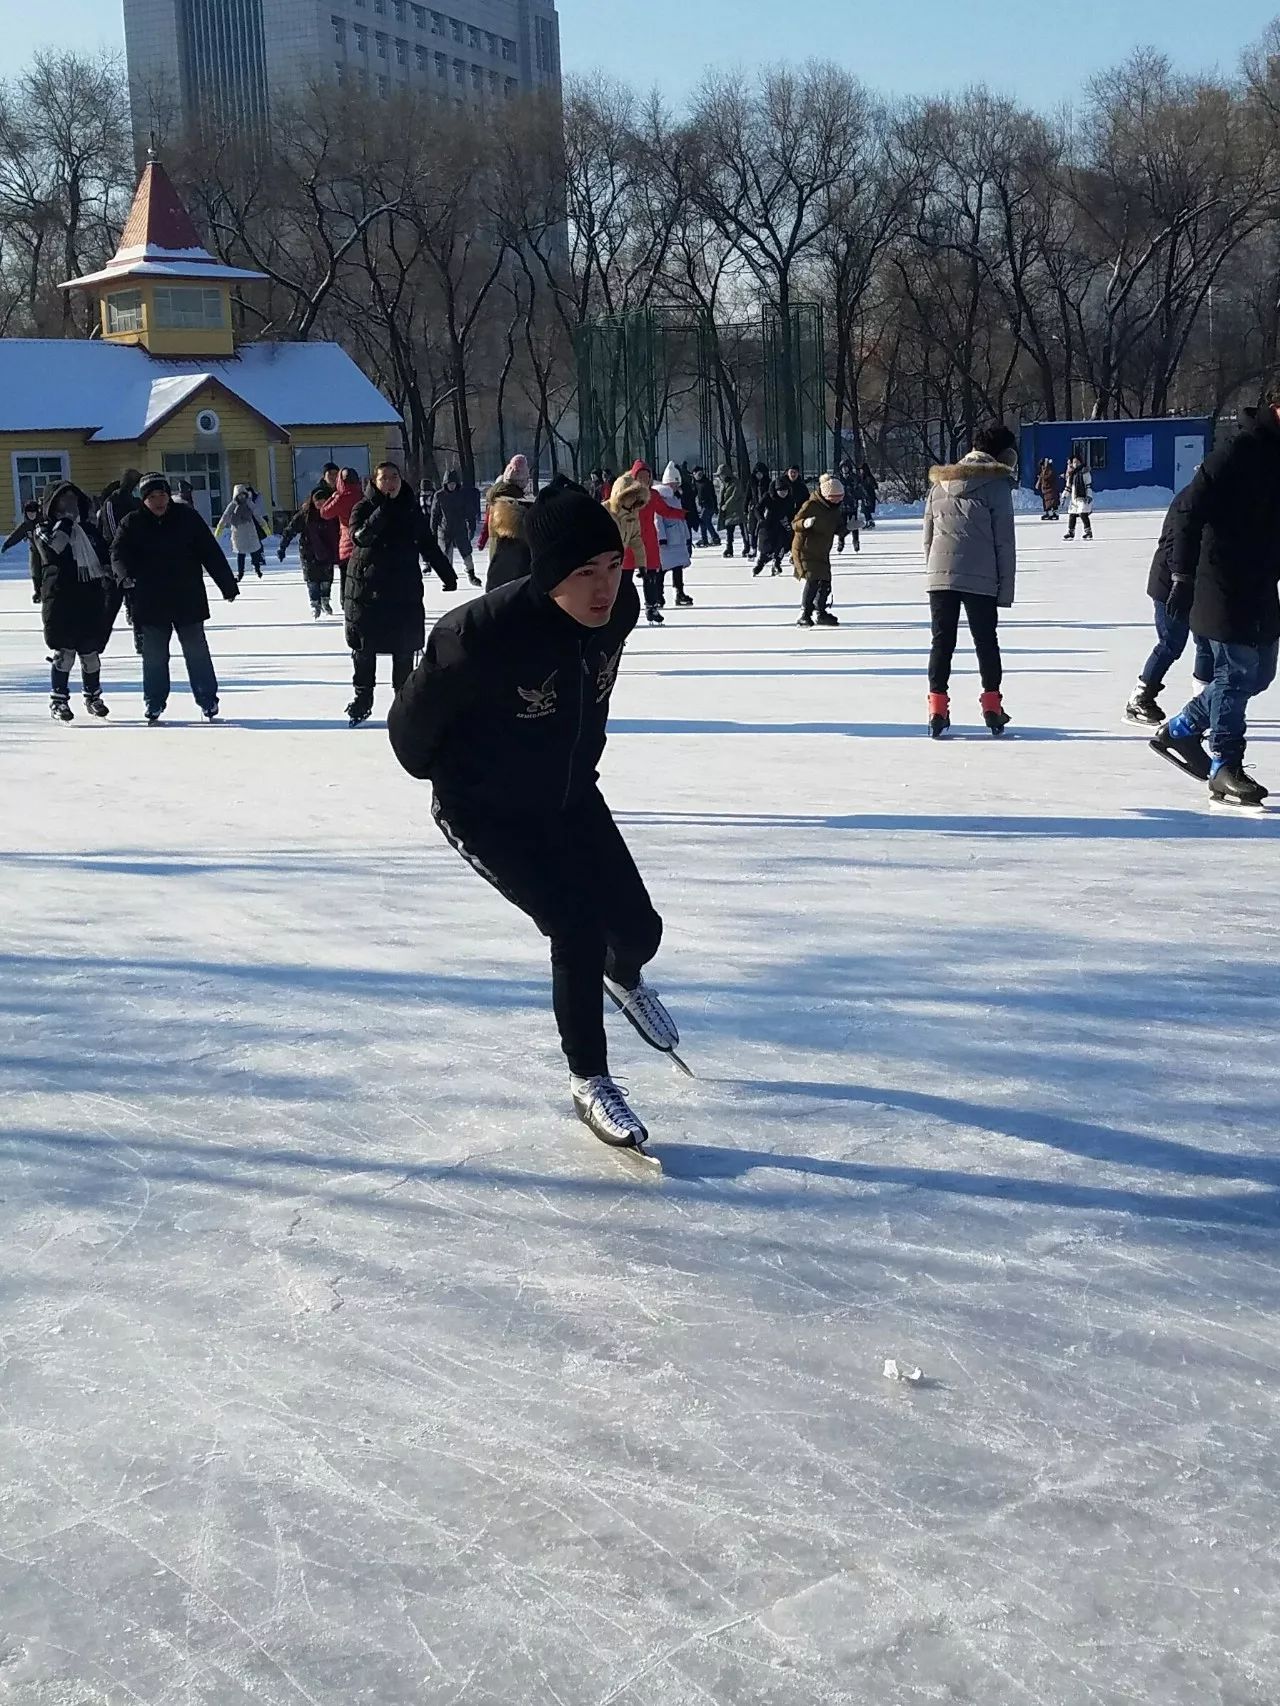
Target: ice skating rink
{"type": "Point", "coordinates": [339, 1364]}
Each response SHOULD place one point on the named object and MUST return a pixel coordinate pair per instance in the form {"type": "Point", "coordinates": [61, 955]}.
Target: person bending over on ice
{"type": "Point", "coordinates": [1172, 633]}
{"type": "Point", "coordinates": [161, 555]}
{"type": "Point", "coordinates": [813, 535]}
{"type": "Point", "coordinates": [383, 603]}
{"type": "Point", "coordinates": [506, 716]}
{"type": "Point", "coordinates": [240, 518]}
{"type": "Point", "coordinates": [78, 597]}
{"type": "Point", "coordinates": [774, 513]}
{"type": "Point", "coordinates": [970, 552]}
{"type": "Point", "coordinates": [1225, 570]}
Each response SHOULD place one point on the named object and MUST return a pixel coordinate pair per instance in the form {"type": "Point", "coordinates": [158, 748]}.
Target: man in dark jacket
{"type": "Point", "coordinates": [455, 516]}
{"type": "Point", "coordinates": [161, 553]}
{"type": "Point", "coordinates": [1172, 633]}
{"type": "Point", "coordinates": [774, 516]}
{"type": "Point", "coordinates": [759, 487]}
{"type": "Point", "coordinates": [1225, 581]}
{"type": "Point", "coordinates": [704, 492]}
{"type": "Point", "coordinates": [799, 491]}
{"type": "Point", "coordinates": [382, 600]}
{"type": "Point", "coordinates": [506, 716]}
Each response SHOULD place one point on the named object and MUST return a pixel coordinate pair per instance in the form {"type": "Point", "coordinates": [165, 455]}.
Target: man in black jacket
{"type": "Point", "coordinates": [506, 716]}
{"type": "Point", "coordinates": [455, 515]}
{"type": "Point", "coordinates": [1172, 634]}
{"type": "Point", "coordinates": [1225, 581]}
{"type": "Point", "coordinates": [161, 553]}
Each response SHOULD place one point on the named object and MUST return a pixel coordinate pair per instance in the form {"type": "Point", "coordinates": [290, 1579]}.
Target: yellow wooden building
{"type": "Point", "coordinates": [166, 386]}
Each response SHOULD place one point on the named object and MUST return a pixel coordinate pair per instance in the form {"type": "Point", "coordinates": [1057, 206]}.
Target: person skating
{"type": "Point", "coordinates": [798, 488]}
{"type": "Point", "coordinates": [850, 518]}
{"type": "Point", "coordinates": [773, 526]}
{"type": "Point", "coordinates": [78, 597]}
{"type": "Point", "coordinates": [25, 532]}
{"type": "Point", "coordinates": [970, 552]}
{"type": "Point", "coordinates": [161, 553]}
{"type": "Point", "coordinates": [1079, 489]}
{"type": "Point", "coordinates": [1050, 488]}
{"type": "Point", "coordinates": [1172, 634]}
{"type": "Point", "coordinates": [508, 546]}
{"type": "Point", "coordinates": [454, 516]}
{"type": "Point", "coordinates": [627, 499]}
{"type": "Point", "coordinates": [340, 506]}
{"type": "Point", "coordinates": [675, 537]}
{"type": "Point", "coordinates": [383, 605]}
{"type": "Point", "coordinates": [506, 717]}
{"type": "Point", "coordinates": [657, 507]}
{"type": "Point", "coordinates": [728, 505]}
{"type": "Point", "coordinates": [870, 492]}
{"type": "Point", "coordinates": [240, 519]}
{"type": "Point", "coordinates": [704, 492]}
{"type": "Point", "coordinates": [317, 550]}
{"type": "Point", "coordinates": [515, 483]}
{"type": "Point", "coordinates": [813, 535]}
{"type": "Point", "coordinates": [1225, 572]}
{"type": "Point", "coordinates": [759, 488]}
{"type": "Point", "coordinates": [121, 502]}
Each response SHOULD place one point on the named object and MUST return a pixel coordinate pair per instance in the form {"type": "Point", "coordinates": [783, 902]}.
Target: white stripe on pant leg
{"type": "Point", "coordinates": [476, 864]}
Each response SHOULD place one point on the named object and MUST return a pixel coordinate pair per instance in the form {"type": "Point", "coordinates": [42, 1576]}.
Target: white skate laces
{"type": "Point", "coordinates": [646, 1012]}
{"type": "Point", "coordinates": [603, 1105]}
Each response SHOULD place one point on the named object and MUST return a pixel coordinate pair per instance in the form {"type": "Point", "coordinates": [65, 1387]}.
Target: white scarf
{"type": "Point", "coordinates": [89, 565]}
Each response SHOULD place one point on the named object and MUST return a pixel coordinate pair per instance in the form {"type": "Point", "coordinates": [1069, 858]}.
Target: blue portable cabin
{"type": "Point", "coordinates": [1121, 455]}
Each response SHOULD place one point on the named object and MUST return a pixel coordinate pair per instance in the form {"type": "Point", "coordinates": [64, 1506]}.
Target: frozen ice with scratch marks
{"type": "Point", "coordinates": [337, 1364]}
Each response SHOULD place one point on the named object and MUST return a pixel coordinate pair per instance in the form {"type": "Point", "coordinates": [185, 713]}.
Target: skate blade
{"type": "Point", "coordinates": [677, 1062]}
{"type": "Point", "coordinates": [1179, 764]}
{"type": "Point", "coordinates": [633, 1154]}
{"type": "Point", "coordinates": [1235, 808]}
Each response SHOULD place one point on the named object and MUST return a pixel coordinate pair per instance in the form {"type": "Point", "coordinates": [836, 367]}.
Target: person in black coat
{"type": "Point", "coordinates": [161, 553]}
{"type": "Point", "coordinates": [455, 516]}
{"type": "Point", "coordinates": [774, 517]}
{"type": "Point", "coordinates": [77, 594]}
{"type": "Point", "coordinates": [317, 550]}
{"type": "Point", "coordinates": [1225, 582]}
{"type": "Point", "coordinates": [383, 602]}
{"type": "Point", "coordinates": [508, 545]}
{"type": "Point", "coordinates": [870, 493]}
{"type": "Point", "coordinates": [506, 716]}
{"type": "Point", "coordinates": [798, 489]}
{"type": "Point", "coordinates": [26, 530]}
{"type": "Point", "coordinates": [1172, 633]}
{"type": "Point", "coordinates": [704, 491]}
{"type": "Point", "coordinates": [851, 520]}
{"type": "Point", "coordinates": [759, 486]}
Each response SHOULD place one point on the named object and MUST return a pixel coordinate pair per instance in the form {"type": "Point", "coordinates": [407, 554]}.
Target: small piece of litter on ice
{"type": "Point", "coordinates": [897, 1371]}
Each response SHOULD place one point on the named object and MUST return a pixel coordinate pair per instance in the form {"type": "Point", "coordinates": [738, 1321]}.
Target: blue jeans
{"type": "Point", "coordinates": [1171, 641]}
{"type": "Point", "coordinates": [1240, 673]}
{"type": "Point", "coordinates": [155, 665]}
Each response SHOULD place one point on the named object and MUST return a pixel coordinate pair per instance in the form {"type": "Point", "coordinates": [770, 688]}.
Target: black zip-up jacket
{"type": "Point", "coordinates": [1160, 580]}
{"type": "Point", "coordinates": [1227, 538]}
{"type": "Point", "coordinates": [506, 713]}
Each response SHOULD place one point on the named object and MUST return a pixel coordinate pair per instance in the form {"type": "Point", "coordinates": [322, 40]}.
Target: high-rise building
{"type": "Point", "coordinates": [228, 60]}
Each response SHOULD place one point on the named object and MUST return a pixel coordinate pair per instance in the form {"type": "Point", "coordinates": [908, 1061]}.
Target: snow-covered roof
{"type": "Point", "coordinates": [119, 392]}
{"type": "Point", "coordinates": [157, 266]}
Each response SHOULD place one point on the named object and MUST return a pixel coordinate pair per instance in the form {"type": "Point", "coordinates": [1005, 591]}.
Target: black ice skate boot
{"type": "Point", "coordinates": [994, 714]}
{"type": "Point", "coordinates": [93, 700]}
{"type": "Point", "coordinates": [1231, 785]}
{"type": "Point", "coordinates": [360, 709]}
{"type": "Point", "coordinates": [939, 715]}
{"type": "Point", "coordinates": [1184, 751]}
{"type": "Point", "coordinates": [1143, 707]}
{"type": "Point", "coordinates": [60, 708]}
{"type": "Point", "coordinates": [826, 619]}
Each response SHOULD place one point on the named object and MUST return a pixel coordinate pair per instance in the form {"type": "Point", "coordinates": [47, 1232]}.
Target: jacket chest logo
{"type": "Point", "coordinates": [539, 701]}
{"type": "Point", "coordinates": [607, 675]}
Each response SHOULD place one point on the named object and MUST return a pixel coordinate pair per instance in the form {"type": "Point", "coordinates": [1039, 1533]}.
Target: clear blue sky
{"type": "Point", "coordinates": [913, 47]}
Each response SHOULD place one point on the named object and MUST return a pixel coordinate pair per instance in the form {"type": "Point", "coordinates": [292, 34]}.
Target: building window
{"type": "Point", "coordinates": [339, 31]}
{"type": "Point", "coordinates": [382, 45]}
{"type": "Point", "coordinates": [124, 311]}
{"type": "Point", "coordinates": [1091, 451]}
{"type": "Point", "coordinates": [513, 88]}
{"type": "Point", "coordinates": [495, 83]}
{"type": "Point", "coordinates": [473, 37]}
{"type": "Point", "coordinates": [360, 4]}
{"type": "Point", "coordinates": [362, 38]}
{"type": "Point", "coordinates": [34, 471]}
{"type": "Point", "coordinates": [188, 308]}
{"type": "Point", "coordinates": [491, 44]}
{"type": "Point", "coordinates": [545, 45]}
{"type": "Point", "coordinates": [423, 57]}
{"type": "Point", "coordinates": [420, 17]}
{"type": "Point", "coordinates": [508, 51]}
{"type": "Point", "coordinates": [459, 71]}
{"type": "Point", "coordinates": [456, 27]}
{"type": "Point", "coordinates": [341, 70]}
{"type": "Point", "coordinates": [477, 78]}
{"type": "Point", "coordinates": [400, 11]}
{"type": "Point", "coordinates": [380, 7]}
{"type": "Point", "coordinates": [442, 65]}
{"type": "Point", "coordinates": [402, 53]}
{"type": "Point", "coordinates": [384, 87]}
{"type": "Point", "coordinates": [437, 23]}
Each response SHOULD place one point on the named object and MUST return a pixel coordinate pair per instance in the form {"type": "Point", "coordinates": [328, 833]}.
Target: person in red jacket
{"type": "Point", "coordinates": [656, 506]}
{"type": "Point", "coordinates": [340, 508]}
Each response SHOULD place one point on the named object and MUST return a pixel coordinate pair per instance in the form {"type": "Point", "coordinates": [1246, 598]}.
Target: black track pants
{"type": "Point", "coordinates": [982, 614]}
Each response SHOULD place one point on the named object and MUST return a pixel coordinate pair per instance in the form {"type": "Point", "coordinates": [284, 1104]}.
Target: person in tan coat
{"type": "Point", "coordinates": [813, 536]}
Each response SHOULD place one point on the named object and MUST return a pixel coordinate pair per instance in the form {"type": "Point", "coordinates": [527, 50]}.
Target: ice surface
{"type": "Point", "coordinates": [337, 1365]}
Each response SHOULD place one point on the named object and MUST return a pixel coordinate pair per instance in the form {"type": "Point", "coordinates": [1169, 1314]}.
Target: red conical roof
{"type": "Point", "coordinates": [157, 219]}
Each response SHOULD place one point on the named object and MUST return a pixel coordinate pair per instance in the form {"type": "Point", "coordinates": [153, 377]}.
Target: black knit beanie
{"type": "Point", "coordinates": [565, 528]}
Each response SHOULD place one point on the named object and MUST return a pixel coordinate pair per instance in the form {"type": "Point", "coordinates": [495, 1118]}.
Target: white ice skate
{"type": "Point", "coordinates": [602, 1106]}
{"type": "Point", "coordinates": [646, 1014]}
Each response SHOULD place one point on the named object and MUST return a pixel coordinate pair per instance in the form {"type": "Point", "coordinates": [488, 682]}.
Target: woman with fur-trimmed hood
{"type": "Point", "coordinates": [970, 551]}
{"type": "Point", "coordinates": [509, 558]}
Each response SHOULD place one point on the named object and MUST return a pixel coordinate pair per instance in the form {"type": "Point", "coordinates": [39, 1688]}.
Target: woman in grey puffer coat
{"type": "Point", "coordinates": [971, 553]}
